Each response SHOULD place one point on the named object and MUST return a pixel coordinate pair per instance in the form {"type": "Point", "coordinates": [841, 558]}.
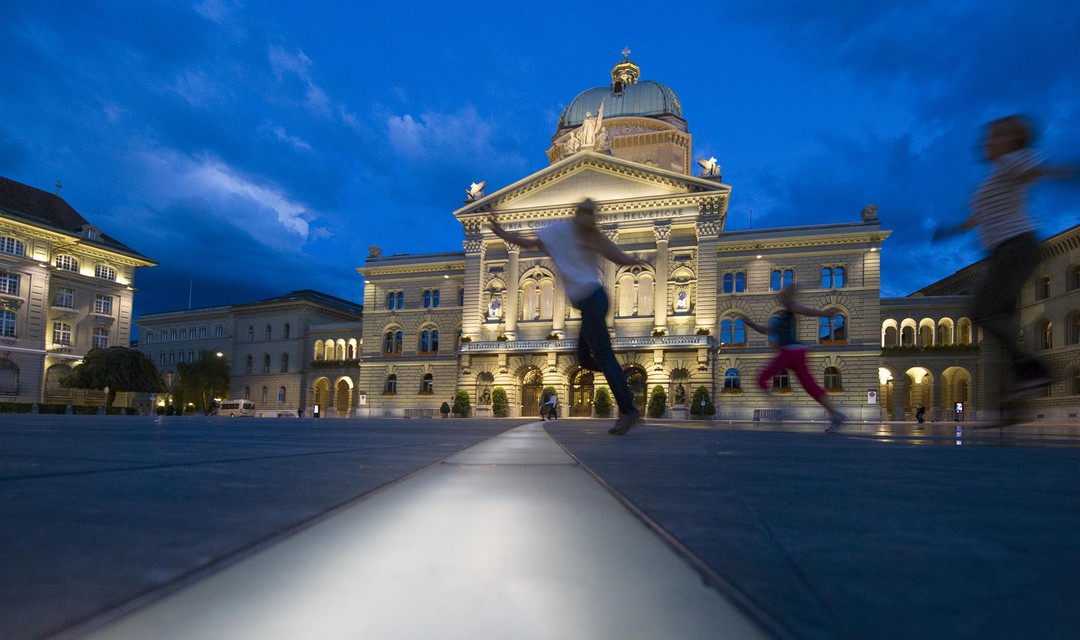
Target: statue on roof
{"type": "Point", "coordinates": [591, 134]}
{"type": "Point", "coordinates": [709, 168]}
{"type": "Point", "coordinates": [476, 190]}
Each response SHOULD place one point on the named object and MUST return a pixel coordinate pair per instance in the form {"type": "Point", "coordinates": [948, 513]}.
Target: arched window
{"type": "Point", "coordinates": [832, 379]}
{"type": "Point", "coordinates": [269, 332]}
{"type": "Point", "coordinates": [963, 331]}
{"type": "Point", "coordinates": [1045, 335]}
{"type": "Point", "coordinates": [249, 363]}
{"type": "Point", "coordinates": [264, 395]}
{"type": "Point", "coordinates": [1076, 383]}
{"type": "Point", "coordinates": [12, 246]}
{"type": "Point", "coordinates": [1072, 328]}
{"type": "Point", "coordinates": [890, 337]}
{"type": "Point", "coordinates": [266, 364]}
{"type": "Point", "coordinates": [627, 296]}
{"type": "Point", "coordinates": [926, 336]}
{"type": "Point", "coordinates": [284, 363]}
{"type": "Point", "coordinates": [251, 333]}
{"type": "Point", "coordinates": [1042, 288]}
{"type": "Point", "coordinates": [907, 336]}
{"type": "Point", "coordinates": [944, 334]}
{"type": "Point", "coordinates": [780, 278]}
{"type": "Point", "coordinates": [832, 330]}
{"type": "Point", "coordinates": [281, 395]}
{"type": "Point", "coordinates": [319, 353]}
{"type": "Point", "coordinates": [733, 332]}
{"type": "Point", "coordinates": [285, 331]}
{"type": "Point", "coordinates": [734, 282]}
{"type": "Point", "coordinates": [67, 263]}
{"type": "Point", "coordinates": [429, 341]}
{"type": "Point", "coordinates": [427, 384]}
{"type": "Point", "coordinates": [1074, 277]}
{"type": "Point", "coordinates": [389, 300]}
{"type": "Point", "coordinates": [392, 341]}
{"type": "Point", "coordinates": [731, 379]}
{"type": "Point", "coordinates": [390, 387]}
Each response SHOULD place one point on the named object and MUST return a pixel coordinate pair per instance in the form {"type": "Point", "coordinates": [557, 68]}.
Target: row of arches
{"type": "Point", "coordinates": [927, 332]}
{"type": "Point", "coordinates": [336, 349]}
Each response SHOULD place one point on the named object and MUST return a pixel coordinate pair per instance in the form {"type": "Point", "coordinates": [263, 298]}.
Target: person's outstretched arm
{"type": "Point", "coordinates": [753, 325]}
{"type": "Point", "coordinates": [525, 242]}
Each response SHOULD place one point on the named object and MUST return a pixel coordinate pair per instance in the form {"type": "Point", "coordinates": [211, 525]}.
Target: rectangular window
{"type": "Point", "coordinates": [219, 331]}
{"type": "Point", "coordinates": [202, 332]}
{"type": "Point", "coordinates": [9, 283]}
{"type": "Point", "coordinates": [101, 338]}
{"type": "Point", "coordinates": [103, 305]}
{"type": "Point", "coordinates": [65, 298]}
{"type": "Point", "coordinates": [61, 334]}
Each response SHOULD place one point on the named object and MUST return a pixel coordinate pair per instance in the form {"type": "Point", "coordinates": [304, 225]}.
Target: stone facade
{"type": "Point", "coordinates": [276, 348]}
{"type": "Point", "coordinates": [65, 287]}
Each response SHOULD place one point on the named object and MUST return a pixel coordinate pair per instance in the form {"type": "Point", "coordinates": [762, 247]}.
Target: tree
{"type": "Point", "coordinates": [657, 402]}
{"type": "Point", "coordinates": [500, 404]}
{"type": "Point", "coordinates": [461, 403]}
{"type": "Point", "coordinates": [696, 408]}
{"type": "Point", "coordinates": [602, 403]}
{"type": "Point", "coordinates": [116, 369]}
{"type": "Point", "coordinates": [203, 380]}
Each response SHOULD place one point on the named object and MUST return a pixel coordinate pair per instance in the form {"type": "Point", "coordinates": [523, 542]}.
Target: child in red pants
{"type": "Point", "coordinates": [792, 353]}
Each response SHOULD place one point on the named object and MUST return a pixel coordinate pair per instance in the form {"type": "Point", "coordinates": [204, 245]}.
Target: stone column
{"type": "Point", "coordinates": [558, 306]}
{"type": "Point", "coordinates": [660, 294]}
{"type": "Point", "coordinates": [609, 280]}
{"type": "Point", "coordinates": [513, 285]}
{"type": "Point", "coordinates": [473, 312]}
{"type": "Point", "coordinates": [708, 232]}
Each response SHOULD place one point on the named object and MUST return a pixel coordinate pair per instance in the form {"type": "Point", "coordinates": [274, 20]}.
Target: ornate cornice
{"type": "Point", "coordinates": [709, 228]}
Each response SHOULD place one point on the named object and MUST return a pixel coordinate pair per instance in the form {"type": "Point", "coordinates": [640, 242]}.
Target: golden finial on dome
{"type": "Point", "coordinates": [624, 73]}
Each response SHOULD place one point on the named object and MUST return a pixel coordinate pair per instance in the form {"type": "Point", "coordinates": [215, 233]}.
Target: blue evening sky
{"type": "Point", "coordinates": [254, 148]}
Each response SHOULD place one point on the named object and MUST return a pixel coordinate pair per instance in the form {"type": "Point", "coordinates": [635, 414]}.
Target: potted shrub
{"type": "Point", "coordinates": [602, 403]}
{"type": "Point", "coordinates": [702, 405]}
{"type": "Point", "coordinates": [500, 404]}
{"type": "Point", "coordinates": [657, 402]}
{"type": "Point", "coordinates": [445, 410]}
{"type": "Point", "coordinates": [461, 404]}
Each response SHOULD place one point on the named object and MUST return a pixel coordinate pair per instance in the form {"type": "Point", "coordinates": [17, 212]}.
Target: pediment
{"type": "Point", "coordinates": [589, 175]}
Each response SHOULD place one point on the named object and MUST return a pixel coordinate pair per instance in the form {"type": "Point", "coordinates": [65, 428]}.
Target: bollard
{"type": "Point", "coordinates": [69, 410]}
{"type": "Point", "coordinates": [34, 408]}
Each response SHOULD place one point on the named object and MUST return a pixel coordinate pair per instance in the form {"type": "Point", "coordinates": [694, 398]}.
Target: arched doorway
{"type": "Point", "coordinates": [532, 386]}
{"type": "Point", "coordinates": [638, 381]}
{"type": "Point", "coordinates": [321, 396]}
{"type": "Point", "coordinates": [342, 398]}
{"type": "Point", "coordinates": [581, 394]}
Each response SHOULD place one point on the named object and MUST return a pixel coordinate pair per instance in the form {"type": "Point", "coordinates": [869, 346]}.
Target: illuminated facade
{"type": "Point", "coordinates": [503, 320]}
{"type": "Point", "coordinates": [65, 287]}
{"type": "Point", "coordinates": [932, 355]}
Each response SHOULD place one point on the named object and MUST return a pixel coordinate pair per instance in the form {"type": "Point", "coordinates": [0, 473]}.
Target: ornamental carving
{"type": "Point", "coordinates": [709, 229]}
{"type": "Point", "coordinates": [473, 227]}
{"type": "Point", "coordinates": [474, 246]}
{"type": "Point", "coordinates": [662, 232]}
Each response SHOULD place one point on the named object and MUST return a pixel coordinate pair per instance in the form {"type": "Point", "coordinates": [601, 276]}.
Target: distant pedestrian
{"type": "Point", "coordinates": [920, 413]}
{"type": "Point", "coordinates": [574, 245]}
{"type": "Point", "coordinates": [547, 407]}
{"type": "Point", "coordinates": [999, 212]}
{"type": "Point", "coordinates": [792, 353]}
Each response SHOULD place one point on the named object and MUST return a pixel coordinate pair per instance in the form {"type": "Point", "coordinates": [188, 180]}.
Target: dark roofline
{"type": "Point", "coordinates": [28, 204]}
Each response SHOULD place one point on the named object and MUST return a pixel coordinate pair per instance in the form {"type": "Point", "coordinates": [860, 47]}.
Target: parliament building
{"type": "Point", "coordinates": [495, 315]}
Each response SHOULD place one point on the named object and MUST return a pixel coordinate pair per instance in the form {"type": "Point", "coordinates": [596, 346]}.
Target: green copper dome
{"type": "Point", "coordinates": [626, 96]}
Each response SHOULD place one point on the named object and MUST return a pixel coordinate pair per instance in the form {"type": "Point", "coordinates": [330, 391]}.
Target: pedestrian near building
{"type": "Point", "coordinates": [574, 245]}
{"type": "Point", "coordinates": [1007, 232]}
{"type": "Point", "coordinates": [792, 353]}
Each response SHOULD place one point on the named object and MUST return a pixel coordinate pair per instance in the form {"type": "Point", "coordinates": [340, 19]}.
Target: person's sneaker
{"type": "Point", "coordinates": [835, 422]}
{"type": "Point", "coordinates": [625, 421]}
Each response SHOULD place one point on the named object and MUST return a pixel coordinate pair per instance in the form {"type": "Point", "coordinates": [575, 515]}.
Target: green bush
{"type": "Point", "coordinates": [657, 402]}
{"type": "Point", "coordinates": [461, 403]}
{"type": "Point", "coordinates": [500, 404]}
{"type": "Point", "coordinates": [444, 409]}
{"type": "Point", "coordinates": [701, 393]}
{"type": "Point", "coordinates": [602, 403]}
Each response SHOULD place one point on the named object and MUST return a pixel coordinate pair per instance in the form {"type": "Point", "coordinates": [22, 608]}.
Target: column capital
{"type": "Point", "coordinates": [662, 232]}
{"type": "Point", "coordinates": [475, 246]}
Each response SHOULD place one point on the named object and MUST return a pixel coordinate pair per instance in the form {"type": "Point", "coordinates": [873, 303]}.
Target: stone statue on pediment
{"type": "Point", "coordinates": [374, 251]}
